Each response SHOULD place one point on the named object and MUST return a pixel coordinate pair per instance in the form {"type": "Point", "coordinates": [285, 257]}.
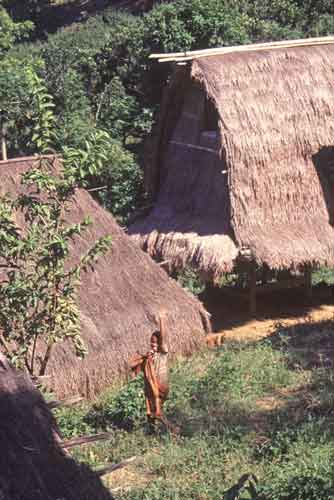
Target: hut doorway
{"type": "Point", "coordinates": [209, 125]}
{"type": "Point", "coordinates": [324, 166]}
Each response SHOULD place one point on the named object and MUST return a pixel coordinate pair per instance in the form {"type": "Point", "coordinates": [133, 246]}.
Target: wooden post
{"type": "Point", "coordinates": [308, 281]}
{"type": "Point", "coordinates": [265, 274]}
{"type": "Point", "coordinates": [3, 142]}
{"type": "Point", "coordinates": [252, 288]}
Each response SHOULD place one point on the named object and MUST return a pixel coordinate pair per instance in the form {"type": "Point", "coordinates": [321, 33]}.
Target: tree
{"type": "Point", "coordinates": [101, 161]}
{"type": "Point", "coordinates": [25, 106]}
{"type": "Point", "coordinates": [38, 287]}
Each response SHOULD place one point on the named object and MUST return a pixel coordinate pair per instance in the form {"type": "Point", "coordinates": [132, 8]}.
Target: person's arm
{"type": "Point", "coordinates": [163, 333]}
{"type": "Point", "coordinates": [135, 364]}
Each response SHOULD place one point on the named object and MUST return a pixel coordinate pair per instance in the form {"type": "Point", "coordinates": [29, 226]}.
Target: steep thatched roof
{"type": "Point", "coordinates": [32, 464]}
{"type": "Point", "coordinates": [118, 301]}
{"type": "Point", "coordinates": [263, 185]}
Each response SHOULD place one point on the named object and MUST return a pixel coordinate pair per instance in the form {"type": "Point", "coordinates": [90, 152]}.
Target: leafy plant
{"type": "Point", "coordinates": [125, 409]}
{"type": "Point", "coordinates": [26, 108]}
{"type": "Point", "coordinates": [42, 116]}
{"type": "Point", "coordinates": [101, 162]}
{"type": "Point", "coordinates": [72, 422]}
{"type": "Point", "coordinates": [190, 280]}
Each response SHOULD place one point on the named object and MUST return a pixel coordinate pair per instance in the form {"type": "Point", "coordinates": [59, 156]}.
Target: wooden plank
{"type": "Point", "coordinates": [287, 46]}
{"type": "Point", "coordinates": [164, 262]}
{"type": "Point", "coordinates": [194, 146]}
{"type": "Point", "coordinates": [308, 282]}
{"type": "Point", "coordinates": [280, 285]}
{"type": "Point", "coordinates": [214, 50]}
{"type": "Point", "coordinates": [192, 54]}
{"type": "Point", "coordinates": [266, 287]}
{"type": "Point", "coordinates": [65, 402]}
{"type": "Point", "coordinates": [86, 440]}
{"type": "Point", "coordinates": [3, 143]}
{"type": "Point", "coordinates": [38, 380]}
{"type": "Point", "coordinates": [112, 467]}
{"type": "Point", "coordinates": [252, 289]}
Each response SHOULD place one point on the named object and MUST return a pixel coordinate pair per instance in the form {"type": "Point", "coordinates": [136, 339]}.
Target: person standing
{"type": "Point", "coordinates": [154, 366]}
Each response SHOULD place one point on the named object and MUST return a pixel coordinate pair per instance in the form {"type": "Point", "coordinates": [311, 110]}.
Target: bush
{"type": "Point", "coordinates": [190, 280]}
{"type": "Point", "coordinates": [72, 422]}
{"type": "Point", "coordinates": [99, 161]}
{"type": "Point", "coordinates": [126, 409]}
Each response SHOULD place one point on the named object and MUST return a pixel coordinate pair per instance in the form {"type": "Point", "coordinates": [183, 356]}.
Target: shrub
{"type": "Point", "coordinates": [125, 409]}
{"type": "Point", "coordinates": [72, 422]}
{"type": "Point", "coordinates": [100, 161]}
{"type": "Point", "coordinates": [190, 280]}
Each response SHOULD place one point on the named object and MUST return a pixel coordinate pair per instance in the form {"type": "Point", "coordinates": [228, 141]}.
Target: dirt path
{"type": "Point", "coordinates": [275, 311]}
{"type": "Point", "coordinates": [255, 329]}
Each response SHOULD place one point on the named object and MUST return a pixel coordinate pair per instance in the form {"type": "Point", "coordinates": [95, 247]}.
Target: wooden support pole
{"type": "Point", "coordinates": [265, 274]}
{"type": "Point", "coordinates": [308, 281]}
{"type": "Point", "coordinates": [64, 402]}
{"type": "Point", "coordinates": [112, 467]}
{"type": "Point", "coordinates": [252, 288]}
{"type": "Point", "coordinates": [243, 48]}
{"type": "Point", "coordinates": [86, 440]}
{"type": "Point", "coordinates": [3, 142]}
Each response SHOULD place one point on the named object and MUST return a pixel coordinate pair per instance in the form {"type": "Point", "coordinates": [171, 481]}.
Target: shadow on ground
{"type": "Point", "coordinates": [229, 311]}
{"type": "Point", "coordinates": [308, 344]}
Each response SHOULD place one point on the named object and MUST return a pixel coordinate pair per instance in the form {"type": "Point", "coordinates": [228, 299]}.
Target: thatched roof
{"type": "Point", "coordinates": [263, 185]}
{"type": "Point", "coordinates": [118, 301]}
{"type": "Point", "coordinates": [32, 464]}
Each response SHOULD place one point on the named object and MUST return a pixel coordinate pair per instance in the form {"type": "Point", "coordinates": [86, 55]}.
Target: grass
{"type": "Point", "coordinates": [244, 409]}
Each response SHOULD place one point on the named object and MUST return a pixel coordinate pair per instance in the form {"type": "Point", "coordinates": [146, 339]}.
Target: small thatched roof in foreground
{"type": "Point", "coordinates": [32, 464]}
{"type": "Point", "coordinates": [118, 301]}
{"type": "Point", "coordinates": [259, 182]}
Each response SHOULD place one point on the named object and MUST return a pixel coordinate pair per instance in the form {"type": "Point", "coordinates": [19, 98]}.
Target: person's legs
{"type": "Point", "coordinates": [148, 406]}
{"type": "Point", "coordinates": [163, 395]}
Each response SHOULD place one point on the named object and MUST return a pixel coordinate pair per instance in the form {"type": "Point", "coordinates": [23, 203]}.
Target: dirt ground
{"type": "Point", "coordinates": [275, 310]}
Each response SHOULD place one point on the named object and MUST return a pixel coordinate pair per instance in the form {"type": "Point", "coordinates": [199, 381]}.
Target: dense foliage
{"type": "Point", "coordinates": [101, 79]}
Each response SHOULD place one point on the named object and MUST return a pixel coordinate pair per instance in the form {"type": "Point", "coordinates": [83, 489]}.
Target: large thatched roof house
{"type": "Point", "coordinates": [33, 466]}
{"type": "Point", "coordinates": [118, 300]}
{"type": "Point", "coordinates": [241, 157]}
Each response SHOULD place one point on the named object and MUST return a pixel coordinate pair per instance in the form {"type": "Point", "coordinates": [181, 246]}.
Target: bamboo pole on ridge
{"type": "Point", "coordinates": [189, 55]}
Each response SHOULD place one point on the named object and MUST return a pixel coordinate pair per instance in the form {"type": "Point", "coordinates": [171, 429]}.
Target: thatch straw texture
{"type": "Point", "coordinates": [276, 141]}
{"type": "Point", "coordinates": [118, 301]}
{"type": "Point", "coordinates": [32, 464]}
